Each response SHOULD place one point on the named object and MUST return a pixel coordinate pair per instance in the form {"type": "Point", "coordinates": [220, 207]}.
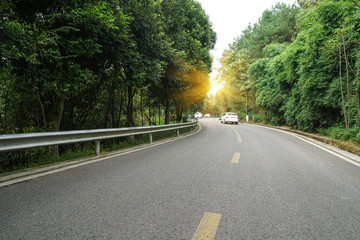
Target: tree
{"type": "Point", "coordinates": [276, 26]}
{"type": "Point", "coordinates": [64, 50]}
{"type": "Point", "coordinates": [82, 64]}
{"type": "Point", "coordinates": [235, 65]}
{"type": "Point", "coordinates": [190, 38]}
{"type": "Point", "coordinates": [333, 25]}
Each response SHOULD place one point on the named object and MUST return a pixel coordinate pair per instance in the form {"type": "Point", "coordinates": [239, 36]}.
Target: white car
{"type": "Point", "coordinates": [207, 115]}
{"type": "Point", "coordinates": [198, 115]}
{"type": "Point", "coordinates": [230, 117]}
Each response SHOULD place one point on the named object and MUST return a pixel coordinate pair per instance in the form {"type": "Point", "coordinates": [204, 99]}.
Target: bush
{"type": "Point", "coordinates": [258, 119]}
{"type": "Point", "coordinates": [340, 133]}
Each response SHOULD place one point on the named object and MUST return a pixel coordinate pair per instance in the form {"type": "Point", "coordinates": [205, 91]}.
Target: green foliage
{"type": "Point", "coordinates": [341, 133]}
{"type": "Point", "coordinates": [305, 75]}
{"type": "Point", "coordinates": [67, 65]}
{"type": "Point", "coordinates": [248, 67]}
{"type": "Point", "coordinates": [190, 39]}
{"type": "Point", "coordinates": [275, 26]}
{"type": "Point", "coordinates": [70, 58]}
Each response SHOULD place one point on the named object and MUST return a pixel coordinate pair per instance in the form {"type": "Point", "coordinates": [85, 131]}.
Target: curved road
{"type": "Point", "coordinates": [226, 182]}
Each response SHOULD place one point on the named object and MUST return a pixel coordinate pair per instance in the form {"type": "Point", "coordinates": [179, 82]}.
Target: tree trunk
{"type": "Point", "coordinates": [106, 115]}
{"type": "Point", "coordinates": [155, 114]}
{"type": "Point", "coordinates": [71, 124]}
{"type": "Point", "coordinates": [130, 104]}
{"type": "Point", "coordinates": [159, 113]}
{"type": "Point", "coordinates": [57, 116]}
{"type": "Point", "coordinates": [178, 112]}
{"type": "Point", "coordinates": [6, 110]}
{"type": "Point", "coordinates": [150, 112]}
{"type": "Point", "coordinates": [254, 108]}
{"type": "Point", "coordinates": [247, 105]}
{"type": "Point", "coordinates": [358, 107]}
{"type": "Point", "coordinates": [42, 107]}
{"type": "Point", "coordinates": [167, 110]}
{"type": "Point", "coordinates": [141, 107]}
{"type": "Point", "coordinates": [341, 89]}
{"type": "Point", "coordinates": [113, 103]}
{"type": "Point", "coordinates": [347, 82]}
{"type": "Point", "coordinates": [167, 101]}
{"type": "Point", "coordinates": [118, 122]}
{"type": "Point", "coordinates": [180, 116]}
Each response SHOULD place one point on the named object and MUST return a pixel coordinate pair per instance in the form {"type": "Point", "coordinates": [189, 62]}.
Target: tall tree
{"type": "Point", "coordinates": [190, 38]}
{"type": "Point", "coordinates": [276, 26]}
{"type": "Point", "coordinates": [66, 46]}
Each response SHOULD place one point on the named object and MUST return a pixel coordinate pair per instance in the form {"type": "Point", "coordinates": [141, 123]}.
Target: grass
{"type": "Point", "coordinates": [340, 133]}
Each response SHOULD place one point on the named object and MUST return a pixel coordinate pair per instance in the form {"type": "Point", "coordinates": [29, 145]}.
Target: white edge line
{"type": "Point", "coordinates": [86, 162]}
{"type": "Point", "coordinates": [314, 144]}
{"type": "Point", "coordinates": [330, 151]}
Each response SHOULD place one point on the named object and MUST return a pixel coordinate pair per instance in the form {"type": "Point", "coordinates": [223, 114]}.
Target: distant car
{"type": "Point", "coordinates": [230, 117]}
{"type": "Point", "coordinates": [207, 115]}
{"type": "Point", "coordinates": [198, 115]}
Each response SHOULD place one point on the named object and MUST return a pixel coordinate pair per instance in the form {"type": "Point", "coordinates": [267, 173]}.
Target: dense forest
{"type": "Point", "coordinates": [86, 64]}
{"type": "Point", "coordinates": [297, 66]}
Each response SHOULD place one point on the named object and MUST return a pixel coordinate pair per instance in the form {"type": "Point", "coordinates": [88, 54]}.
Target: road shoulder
{"type": "Point", "coordinates": [345, 155]}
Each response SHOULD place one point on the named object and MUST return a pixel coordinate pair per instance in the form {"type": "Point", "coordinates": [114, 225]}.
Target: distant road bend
{"type": "Point", "coordinates": [226, 182]}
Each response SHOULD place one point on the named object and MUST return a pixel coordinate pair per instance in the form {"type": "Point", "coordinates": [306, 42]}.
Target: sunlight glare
{"type": "Point", "coordinates": [215, 87]}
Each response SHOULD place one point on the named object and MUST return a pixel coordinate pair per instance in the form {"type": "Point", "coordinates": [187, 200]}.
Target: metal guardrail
{"type": "Point", "coordinates": [13, 142]}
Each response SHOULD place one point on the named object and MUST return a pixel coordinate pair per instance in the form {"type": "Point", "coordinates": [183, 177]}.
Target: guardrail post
{"type": "Point", "coordinates": [97, 147]}
{"type": "Point", "coordinates": [150, 137]}
{"type": "Point", "coordinates": [177, 132]}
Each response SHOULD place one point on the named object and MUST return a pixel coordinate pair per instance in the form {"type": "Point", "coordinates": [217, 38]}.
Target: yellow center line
{"type": "Point", "coordinates": [237, 135]}
{"type": "Point", "coordinates": [207, 227]}
{"type": "Point", "coordinates": [236, 157]}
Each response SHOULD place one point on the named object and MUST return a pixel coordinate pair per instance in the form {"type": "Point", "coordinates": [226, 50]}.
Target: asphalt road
{"type": "Point", "coordinates": [226, 182]}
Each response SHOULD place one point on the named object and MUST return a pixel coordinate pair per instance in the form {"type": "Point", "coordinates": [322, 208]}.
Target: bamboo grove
{"type": "Point", "coordinates": [85, 64]}
{"type": "Point", "coordinates": [297, 66]}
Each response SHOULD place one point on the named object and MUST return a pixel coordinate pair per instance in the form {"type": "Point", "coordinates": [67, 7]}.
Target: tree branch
{"type": "Point", "coordinates": [356, 4]}
{"type": "Point", "coordinates": [42, 107]}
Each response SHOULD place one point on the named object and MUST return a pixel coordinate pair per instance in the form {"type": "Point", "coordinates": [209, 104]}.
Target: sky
{"type": "Point", "coordinates": [229, 18]}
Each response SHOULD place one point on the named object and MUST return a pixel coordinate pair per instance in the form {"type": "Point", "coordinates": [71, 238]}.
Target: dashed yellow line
{"type": "Point", "coordinates": [236, 157]}
{"type": "Point", "coordinates": [207, 227]}
{"type": "Point", "coordinates": [237, 135]}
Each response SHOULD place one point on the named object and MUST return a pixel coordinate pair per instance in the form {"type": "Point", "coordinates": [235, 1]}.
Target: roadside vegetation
{"type": "Point", "coordinates": [298, 66]}
{"type": "Point", "coordinates": [84, 64]}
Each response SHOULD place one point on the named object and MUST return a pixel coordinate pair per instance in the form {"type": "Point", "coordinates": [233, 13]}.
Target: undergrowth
{"type": "Point", "coordinates": [340, 133]}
